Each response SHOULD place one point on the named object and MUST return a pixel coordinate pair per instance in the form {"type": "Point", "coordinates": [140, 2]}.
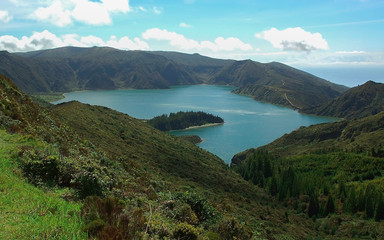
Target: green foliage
{"type": "Point", "coordinates": [27, 212]}
{"type": "Point", "coordinates": [204, 211]}
{"type": "Point", "coordinates": [357, 102]}
{"type": "Point", "coordinates": [46, 166]}
{"type": "Point", "coordinates": [231, 229]}
{"type": "Point", "coordinates": [185, 231]}
{"type": "Point", "coordinates": [183, 120]}
{"type": "Point", "coordinates": [111, 217]}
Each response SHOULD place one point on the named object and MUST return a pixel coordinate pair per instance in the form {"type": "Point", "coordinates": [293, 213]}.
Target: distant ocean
{"type": "Point", "coordinates": [348, 76]}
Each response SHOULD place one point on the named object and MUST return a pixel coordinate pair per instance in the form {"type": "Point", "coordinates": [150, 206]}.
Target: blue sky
{"type": "Point", "coordinates": [306, 33]}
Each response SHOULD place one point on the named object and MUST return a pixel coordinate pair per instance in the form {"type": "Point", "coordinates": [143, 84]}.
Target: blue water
{"type": "Point", "coordinates": [248, 123]}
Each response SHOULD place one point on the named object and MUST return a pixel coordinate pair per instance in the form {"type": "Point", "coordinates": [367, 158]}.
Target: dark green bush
{"type": "Point", "coordinates": [39, 167]}
{"type": "Point", "coordinates": [204, 211]}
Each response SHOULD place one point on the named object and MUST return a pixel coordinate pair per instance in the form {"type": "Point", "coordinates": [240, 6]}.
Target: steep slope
{"type": "Point", "coordinates": [279, 84]}
{"type": "Point", "coordinates": [361, 135]}
{"type": "Point", "coordinates": [72, 68]}
{"type": "Point", "coordinates": [68, 69]}
{"type": "Point", "coordinates": [332, 172]}
{"type": "Point", "coordinates": [204, 68]}
{"type": "Point", "coordinates": [122, 135]}
{"type": "Point", "coordinates": [160, 183]}
{"type": "Point", "coordinates": [358, 102]}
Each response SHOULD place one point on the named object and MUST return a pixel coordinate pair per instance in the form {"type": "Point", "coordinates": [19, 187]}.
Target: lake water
{"type": "Point", "coordinates": [248, 123]}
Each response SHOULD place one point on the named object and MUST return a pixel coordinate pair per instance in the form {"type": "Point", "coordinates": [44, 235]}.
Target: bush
{"type": "Point", "coordinates": [185, 231]}
{"type": "Point", "coordinates": [230, 229]}
{"type": "Point", "coordinates": [94, 227]}
{"type": "Point", "coordinates": [39, 167]}
{"type": "Point", "coordinates": [200, 206]}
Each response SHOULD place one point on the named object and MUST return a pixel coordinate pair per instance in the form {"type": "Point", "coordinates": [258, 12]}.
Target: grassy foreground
{"type": "Point", "coordinates": [27, 212]}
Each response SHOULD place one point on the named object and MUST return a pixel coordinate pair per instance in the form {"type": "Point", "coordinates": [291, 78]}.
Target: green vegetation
{"type": "Point", "coordinates": [191, 138]}
{"type": "Point", "coordinates": [358, 102]}
{"type": "Point", "coordinates": [28, 212]}
{"type": "Point", "coordinates": [183, 120]}
{"type": "Point", "coordinates": [326, 171]}
{"type": "Point", "coordinates": [71, 68]}
{"type": "Point", "coordinates": [76, 171]}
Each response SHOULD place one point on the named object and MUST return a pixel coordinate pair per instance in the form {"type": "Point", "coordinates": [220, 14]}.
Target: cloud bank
{"type": "Point", "coordinates": [294, 39]}
{"type": "Point", "coordinates": [47, 40]}
{"type": "Point", "coordinates": [183, 43]}
{"type": "Point", "coordinates": [63, 12]}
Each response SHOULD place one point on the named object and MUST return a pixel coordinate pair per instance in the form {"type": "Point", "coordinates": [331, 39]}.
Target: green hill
{"type": "Point", "coordinates": [357, 102]}
{"type": "Point", "coordinates": [332, 172]}
{"type": "Point", "coordinates": [144, 183]}
{"type": "Point", "coordinates": [279, 84]}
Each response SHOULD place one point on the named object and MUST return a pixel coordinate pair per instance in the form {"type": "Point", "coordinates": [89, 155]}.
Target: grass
{"type": "Point", "coordinates": [27, 212]}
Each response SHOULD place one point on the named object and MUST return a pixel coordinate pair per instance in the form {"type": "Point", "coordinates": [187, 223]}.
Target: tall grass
{"type": "Point", "coordinates": [27, 212]}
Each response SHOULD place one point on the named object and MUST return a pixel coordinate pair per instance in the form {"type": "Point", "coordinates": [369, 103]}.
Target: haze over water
{"type": "Point", "coordinates": [248, 123]}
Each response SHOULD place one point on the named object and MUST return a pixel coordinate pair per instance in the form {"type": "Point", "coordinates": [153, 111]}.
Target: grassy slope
{"type": "Point", "coordinates": [122, 135]}
{"type": "Point", "coordinates": [358, 102]}
{"type": "Point", "coordinates": [27, 212]}
{"type": "Point", "coordinates": [182, 165]}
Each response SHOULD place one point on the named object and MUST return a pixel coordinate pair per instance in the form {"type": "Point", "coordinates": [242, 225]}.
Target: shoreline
{"type": "Point", "coordinates": [202, 126]}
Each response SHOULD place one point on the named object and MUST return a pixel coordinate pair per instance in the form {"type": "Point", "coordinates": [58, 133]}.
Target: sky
{"type": "Point", "coordinates": [309, 34]}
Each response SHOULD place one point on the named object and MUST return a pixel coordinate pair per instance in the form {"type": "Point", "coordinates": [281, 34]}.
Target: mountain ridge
{"type": "Point", "coordinates": [71, 68]}
{"type": "Point", "coordinates": [358, 102]}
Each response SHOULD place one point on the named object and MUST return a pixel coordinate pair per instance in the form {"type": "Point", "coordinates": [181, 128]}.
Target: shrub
{"type": "Point", "coordinates": [107, 209]}
{"type": "Point", "coordinates": [94, 227]}
{"type": "Point", "coordinates": [39, 167]}
{"type": "Point", "coordinates": [185, 231]}
{"type": "Point", "coordinates": [230, 229]}
{"type": "Point", "coordinates": [200, 206]}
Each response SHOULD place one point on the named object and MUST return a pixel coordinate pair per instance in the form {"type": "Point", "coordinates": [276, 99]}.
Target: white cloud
{"type": "Point", "coordinates": [92, 13]}
{"type": "Point", "coordinates": [62, 12]}
{"type": "Point", "coordinates": [55, 13]}
{"type": "Point", "coordinates": [143, 9]}
{"type": "Point", "coordinates": [294, 39]}
{"type": "Point", "coordinates": [157, 10]}
{"type": "Point", "coordinates": [183, 43]}
{"type": "Point", "coordinates": [184, 25]}
{"type": "Point", "coordinates": [48, 40]}
{"type": "Point", "coordinates": [4, 16]}
{"type": "Point", "coordinates": [126, 43]}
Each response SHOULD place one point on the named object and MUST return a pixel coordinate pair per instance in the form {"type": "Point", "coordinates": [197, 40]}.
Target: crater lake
{"type": "Point", "coordinates": [248, 123]}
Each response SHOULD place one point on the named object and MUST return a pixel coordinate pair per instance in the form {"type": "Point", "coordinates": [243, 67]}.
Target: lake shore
{"type": "Point", "coordinates": [203, 126]}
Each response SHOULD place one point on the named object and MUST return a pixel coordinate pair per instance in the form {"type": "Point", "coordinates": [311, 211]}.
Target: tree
{"type": "Point", "coordinates": [273, 187]}
{"type": "Point", "coordinates": [351, 202]}
{"type": "Point", "coordinates": [329, 206]}
{"type": "Point", "coordinates": [313, 208]}
{"type": "Point", "coordinates": [379, 213]}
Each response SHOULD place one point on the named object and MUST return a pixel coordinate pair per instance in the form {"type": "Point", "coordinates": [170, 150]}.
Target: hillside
{"type": "Point", "coordinates": [144, 183]}
{"type": "Point", "coordinates": [357, 102]}
{"type": "Point", "coordinates": [71, 68]}
{"type": "Point", "coordinates": [332, 172]}
{"type": "Point", "coordinates": [279, 84]}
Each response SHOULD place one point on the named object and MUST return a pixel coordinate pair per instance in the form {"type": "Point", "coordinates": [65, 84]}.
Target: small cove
{"type": "Point", "coordinates": [248, 123]}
